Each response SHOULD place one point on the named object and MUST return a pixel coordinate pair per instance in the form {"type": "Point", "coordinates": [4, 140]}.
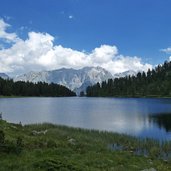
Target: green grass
{"type": "Point", "coordinates": [65, 148]}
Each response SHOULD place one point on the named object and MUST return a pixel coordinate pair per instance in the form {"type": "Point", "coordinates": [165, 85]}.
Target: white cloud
{"type": "Point", "coordinates": [124, 63]}
{"type": "Point", "coordinates": [169, 58]}
{"type": "Point", "coordinates": [8, 37]}
{"type": "Point", "coordinates": [103, 54]}
{"type": "Point", "coordinates": [38, 52]}
{"type": "Point", "coordinates": [166, 50]}
{"type": "Point", "coordinates": [70, 16]}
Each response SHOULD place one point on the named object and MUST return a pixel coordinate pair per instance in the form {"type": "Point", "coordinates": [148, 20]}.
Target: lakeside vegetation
{"type": "Point", "coordinates": [154, 83]}
{"type": "Point", "coordinates": [20, 88]}
{"type": "Point", "coordinates": [51, 147]}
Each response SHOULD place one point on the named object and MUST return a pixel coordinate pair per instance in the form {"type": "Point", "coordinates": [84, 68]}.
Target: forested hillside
{"type": "Point", "coordinates": [154, 83]}
{"type": "Point", "coordinates": [11, 88]}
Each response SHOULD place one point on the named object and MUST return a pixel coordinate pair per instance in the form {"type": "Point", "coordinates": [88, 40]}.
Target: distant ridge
{"type": "Point", "coordinates": [4, 76]}
{"type": "Point", "coordinates": [76, 80]}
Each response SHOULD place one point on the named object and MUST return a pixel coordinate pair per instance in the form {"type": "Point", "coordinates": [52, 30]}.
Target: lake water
{"type": "Point", "coordinates": [140, 117]}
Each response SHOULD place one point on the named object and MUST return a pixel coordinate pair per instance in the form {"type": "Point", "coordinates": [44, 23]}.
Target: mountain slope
{"type": "Point", "coordinates": [76, 80]}
{"type": "Point", "coordinates": [126, 73]}
{"type": "Point", "coordinates": [4, 76]}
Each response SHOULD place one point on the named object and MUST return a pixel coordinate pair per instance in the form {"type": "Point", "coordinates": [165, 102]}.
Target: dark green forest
{"type": "Point", "coordinates": [154, 83]}
{"type": "Point", "coordinates": [11, 88]}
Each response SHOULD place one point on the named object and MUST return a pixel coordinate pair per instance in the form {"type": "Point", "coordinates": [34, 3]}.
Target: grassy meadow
{"type": "Point", "coordinates": [51, 147]}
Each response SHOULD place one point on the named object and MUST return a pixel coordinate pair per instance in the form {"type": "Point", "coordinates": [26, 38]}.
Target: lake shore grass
{"type": "Point", "coordinates": [53, 147]}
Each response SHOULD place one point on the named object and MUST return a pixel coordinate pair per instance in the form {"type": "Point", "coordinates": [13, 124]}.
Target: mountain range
{"type": "Point", "coordinates": [76, 80]}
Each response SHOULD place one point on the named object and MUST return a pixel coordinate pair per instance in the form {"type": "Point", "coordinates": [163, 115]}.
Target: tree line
{"type": "Point", "coordinates": [153, 83]}
{"type": "Point", "coordinates": [10, 88]}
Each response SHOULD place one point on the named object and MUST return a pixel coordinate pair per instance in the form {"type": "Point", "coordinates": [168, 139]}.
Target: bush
{"type": "Point", "coordinates": [51, 144]}
{"type": "Point", "coordinates": [19, 145]}
{"type": "Point", "coordinates": [154, 152]}
{"type": "Point", "coordinates": [2, 137]}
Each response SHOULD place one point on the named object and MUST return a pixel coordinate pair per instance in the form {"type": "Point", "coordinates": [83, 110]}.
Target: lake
{"type": "Point", "coordinates": [141, 117]}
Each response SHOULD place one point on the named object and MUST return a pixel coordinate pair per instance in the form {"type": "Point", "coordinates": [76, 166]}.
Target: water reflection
{"type": "Point", "coordinates": [163, 120]}
{"type": "Point", "coordinates": [122, 115]}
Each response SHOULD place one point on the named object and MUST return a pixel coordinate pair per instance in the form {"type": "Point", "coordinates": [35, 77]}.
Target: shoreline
{"type": "Point", "coordinates": [136, 97]}
{"type": "Point", "coordinates": [45, 146]}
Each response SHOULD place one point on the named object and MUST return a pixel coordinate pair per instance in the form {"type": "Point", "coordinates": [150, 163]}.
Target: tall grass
{"type": "Point", "coordinates": [55, 147]}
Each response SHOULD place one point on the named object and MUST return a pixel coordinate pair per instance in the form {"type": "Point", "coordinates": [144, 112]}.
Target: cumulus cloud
{"type": "Point", "coordinates": [103, 54]}
{"type": "Point", "coordinates": [38, 52]}
{"type": "Point", "coordinates": [8, 37]}
{"type": "Point", "coordinates": [124, 63]}
{"type": "Point", "coordinates": [166, 50]}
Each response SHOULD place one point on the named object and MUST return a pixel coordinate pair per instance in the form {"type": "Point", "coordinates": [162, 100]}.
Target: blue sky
{"type": "Point", "coordinates": [138, 28]}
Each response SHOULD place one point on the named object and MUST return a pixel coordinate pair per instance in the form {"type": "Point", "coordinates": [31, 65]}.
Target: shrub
{"type": "Point", "coordinates": [2, 137]}
{"type": "Point", "coordinates": [51, 144]}
{"type": "Point", "coordinates": [19, 145]}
